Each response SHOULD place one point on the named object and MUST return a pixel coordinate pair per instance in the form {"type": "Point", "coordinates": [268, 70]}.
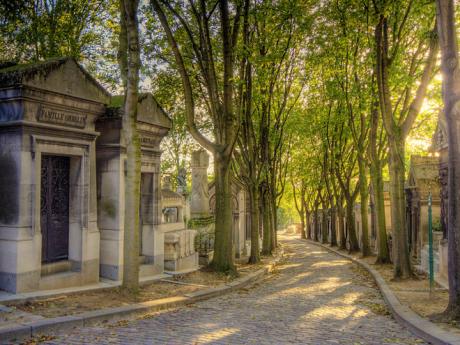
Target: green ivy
{"type": "Point", "coordinates": [196, 223]}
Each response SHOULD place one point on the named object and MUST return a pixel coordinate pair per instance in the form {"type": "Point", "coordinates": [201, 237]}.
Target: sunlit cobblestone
{"type": "Point", "coordinates": [313, 297]}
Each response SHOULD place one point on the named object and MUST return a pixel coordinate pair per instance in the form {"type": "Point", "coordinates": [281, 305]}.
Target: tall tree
{"type": "Point", "coordinates": [248, 155]}
{"type": "Point", "coordinates": [129, 59]}
{"type": "Point", "coordinates": [202, 28]}
{"type": "Point", "coordinates": [399, 112]}
{"type": "Point", "coordinates": [451, 97]}
{"type": "Point", "coordinates": [377, 155]}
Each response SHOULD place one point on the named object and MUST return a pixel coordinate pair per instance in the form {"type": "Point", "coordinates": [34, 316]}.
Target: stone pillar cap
{"type": "Point", "coordinates": [166, 182]}
{"type": "Point", "coordinates": [200, 159]}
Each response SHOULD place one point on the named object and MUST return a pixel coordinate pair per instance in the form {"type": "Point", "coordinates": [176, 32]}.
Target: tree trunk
{"type": "Point", "coordinates": [273, 220]}
{"type": "Point", "coordinates": [254, 203]}
{"type": "Point", "coordinates": [342, 239]}
{"type": "Point", "coordinates": [302, 223]}
{"type": "Point", "coordinates": [333, 227]}
{"type": "Point", "coordinates": [267, 241]}
{"type": "Point", "coordinates": [324, 228]}
{"type": "Point", "coordinates": [316, 226]}
{"type": "Point", "coordinates": [451, 97]}
{"type": "Point", "coordinates": [302, 227]}
{"type": "Point", "coordinates": [352, 239]}
{"type": "Point", "coordinates": [301, 211]}
{"type": "Point", "coordinates": [364, 194]}
{"type": "Point", "coordinates": [224, 118]}
{"type": "Point", "coordinates": [223, 245]}
{"type": "Point", "coordinates": [401, 258]}
{"type": "Point", "coordinates": [383, 254]}
{"type": "Point", "coordinates": [130, 63]}
{"type": "Point", "coordinates": [308, 219]}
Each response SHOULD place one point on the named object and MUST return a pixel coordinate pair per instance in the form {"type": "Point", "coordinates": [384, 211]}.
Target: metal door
{"type": "Point", "coordinates": [54, 210]}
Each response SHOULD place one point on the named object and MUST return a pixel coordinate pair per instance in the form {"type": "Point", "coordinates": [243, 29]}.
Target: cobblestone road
{"type": "Point", "coordinates": [314, 297]}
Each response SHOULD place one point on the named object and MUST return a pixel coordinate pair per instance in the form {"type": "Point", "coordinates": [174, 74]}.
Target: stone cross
{"type": "Point", "coordinates": [199, 205]}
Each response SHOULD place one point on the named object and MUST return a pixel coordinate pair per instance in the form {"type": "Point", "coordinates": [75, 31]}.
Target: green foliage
{"type": "Point", "coordinates": [198, 223]}
{"type": "Point", "coordinates": [437, 225]}
{"type": "Point", "coordinates": [42, 29]}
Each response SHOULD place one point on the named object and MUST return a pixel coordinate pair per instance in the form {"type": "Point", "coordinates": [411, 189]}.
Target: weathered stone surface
{"type": "Point", "coordinates": [179, 242]}
{"type": "Point", "coordinates": [47, 109]}
{"type": "Point", "coordinates": [199, 204]}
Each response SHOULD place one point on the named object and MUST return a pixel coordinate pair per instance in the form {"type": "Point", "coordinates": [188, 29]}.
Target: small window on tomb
{"type": "Point", "coordinates": [170, 215]}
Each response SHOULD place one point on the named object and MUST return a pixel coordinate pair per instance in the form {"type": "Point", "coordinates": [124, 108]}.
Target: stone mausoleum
{"type": "Point", "coordinates": [62, 169]}
{"type": "Point", "coordinates": [152, 124]}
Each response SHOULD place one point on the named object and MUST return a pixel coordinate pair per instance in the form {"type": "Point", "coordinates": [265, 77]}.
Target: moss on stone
{"type": "Point", "coordinates": [35, 66]}
{"type": "Point", "coordinates": [109, 208]}
{"type": "Point", "coordinates": [116, 101]}
{"type": "Point", "coordinates": [196, 223]}
{"type": "Point", "coordinates": [16, 73]}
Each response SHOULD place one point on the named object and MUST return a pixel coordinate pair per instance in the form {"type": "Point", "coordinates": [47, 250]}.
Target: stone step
{"type": "Point", "coordinates": [147, 270]}
{"type": "Point", "coordinates": [60, 280]}
{"type": "Point", "coordinates": [56, 267]}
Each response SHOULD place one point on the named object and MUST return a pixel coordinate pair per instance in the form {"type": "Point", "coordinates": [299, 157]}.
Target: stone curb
{"type": "Point", "coordinates": [421, 327]}
{"type": "Point", "coordinates": [46, 326]}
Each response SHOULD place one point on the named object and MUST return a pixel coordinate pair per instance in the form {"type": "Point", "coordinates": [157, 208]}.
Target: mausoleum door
{"type": "Point", "coordinates": [146, 204]}
{"type": "Point", "coordinates": [236, 228]}
{"type": "Point", "coordinates": [54, 208]}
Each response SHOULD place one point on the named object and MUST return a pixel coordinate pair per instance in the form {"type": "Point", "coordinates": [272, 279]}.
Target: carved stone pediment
{"type": "Point", "coordinates": [149, 111]}
{"type": "Point", "coordinates": [424, 176]}
{"type": "Point", "coordinates": [63, 76]}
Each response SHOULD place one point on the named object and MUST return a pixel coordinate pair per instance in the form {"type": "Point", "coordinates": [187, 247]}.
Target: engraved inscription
{"type": "Point", "coordinates": [146, 141]}
{"type": "Point", "coordinates": [61, 118]}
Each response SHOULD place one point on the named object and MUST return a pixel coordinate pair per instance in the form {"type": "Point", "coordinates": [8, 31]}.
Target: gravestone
{"type": "Point", "coordinates": [199, 204]}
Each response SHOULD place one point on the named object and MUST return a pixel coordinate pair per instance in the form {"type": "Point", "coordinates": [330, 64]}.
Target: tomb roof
{"type": "Point", "coordinates": [58, 75]}
{"type": "Point", "coordinates": [423, 173]}
{"type": "Point", "coordinates": [149, 110]}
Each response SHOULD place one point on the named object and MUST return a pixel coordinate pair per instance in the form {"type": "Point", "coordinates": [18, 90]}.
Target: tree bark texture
{"type": "Point", "coordinates": [266, 241]}
{"type": "Point", "coordinates": [376, 178]}
{"type": "Point", "coordinates": [451, 97]}
{"type": "Point", "coordinates": [342, 237]}
{"type": "Point", "coordinates": [131, 64]}
{"type": "Point", "coordinates": [333, 227]}
{"type": "Point", "coordinates": [401, 256]}
{"type": "Point", "coordinates": [324, 228]}
{"type": "Point", "coordinates": [316, 226]}
{"type": "Point", "coordinates": [308, 220]}
{"type": "Point", "coordinates": [223, 244]}
{"type": "Point", "coordinates": [383, 254]}
{"type": "Point", "coordinates": [353, 245]}
{"type": "Point", "coordinates": [254, 202]}
{"type": "Point", "coordinates": [364, 194]}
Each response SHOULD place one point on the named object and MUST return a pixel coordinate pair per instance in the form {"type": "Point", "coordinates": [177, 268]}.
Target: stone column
{"type": "Point", "coordinates": [199, 205]}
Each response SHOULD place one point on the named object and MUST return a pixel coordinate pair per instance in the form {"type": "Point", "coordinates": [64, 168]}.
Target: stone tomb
{"type": "Point", "coordinates": [423, 180]}
{"type": "Point", "coordinates": [49, 236]}
{"type": "Point", "coordinates": [153, 124]}
{"type": "Point", "coordinates": [179, 242]}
